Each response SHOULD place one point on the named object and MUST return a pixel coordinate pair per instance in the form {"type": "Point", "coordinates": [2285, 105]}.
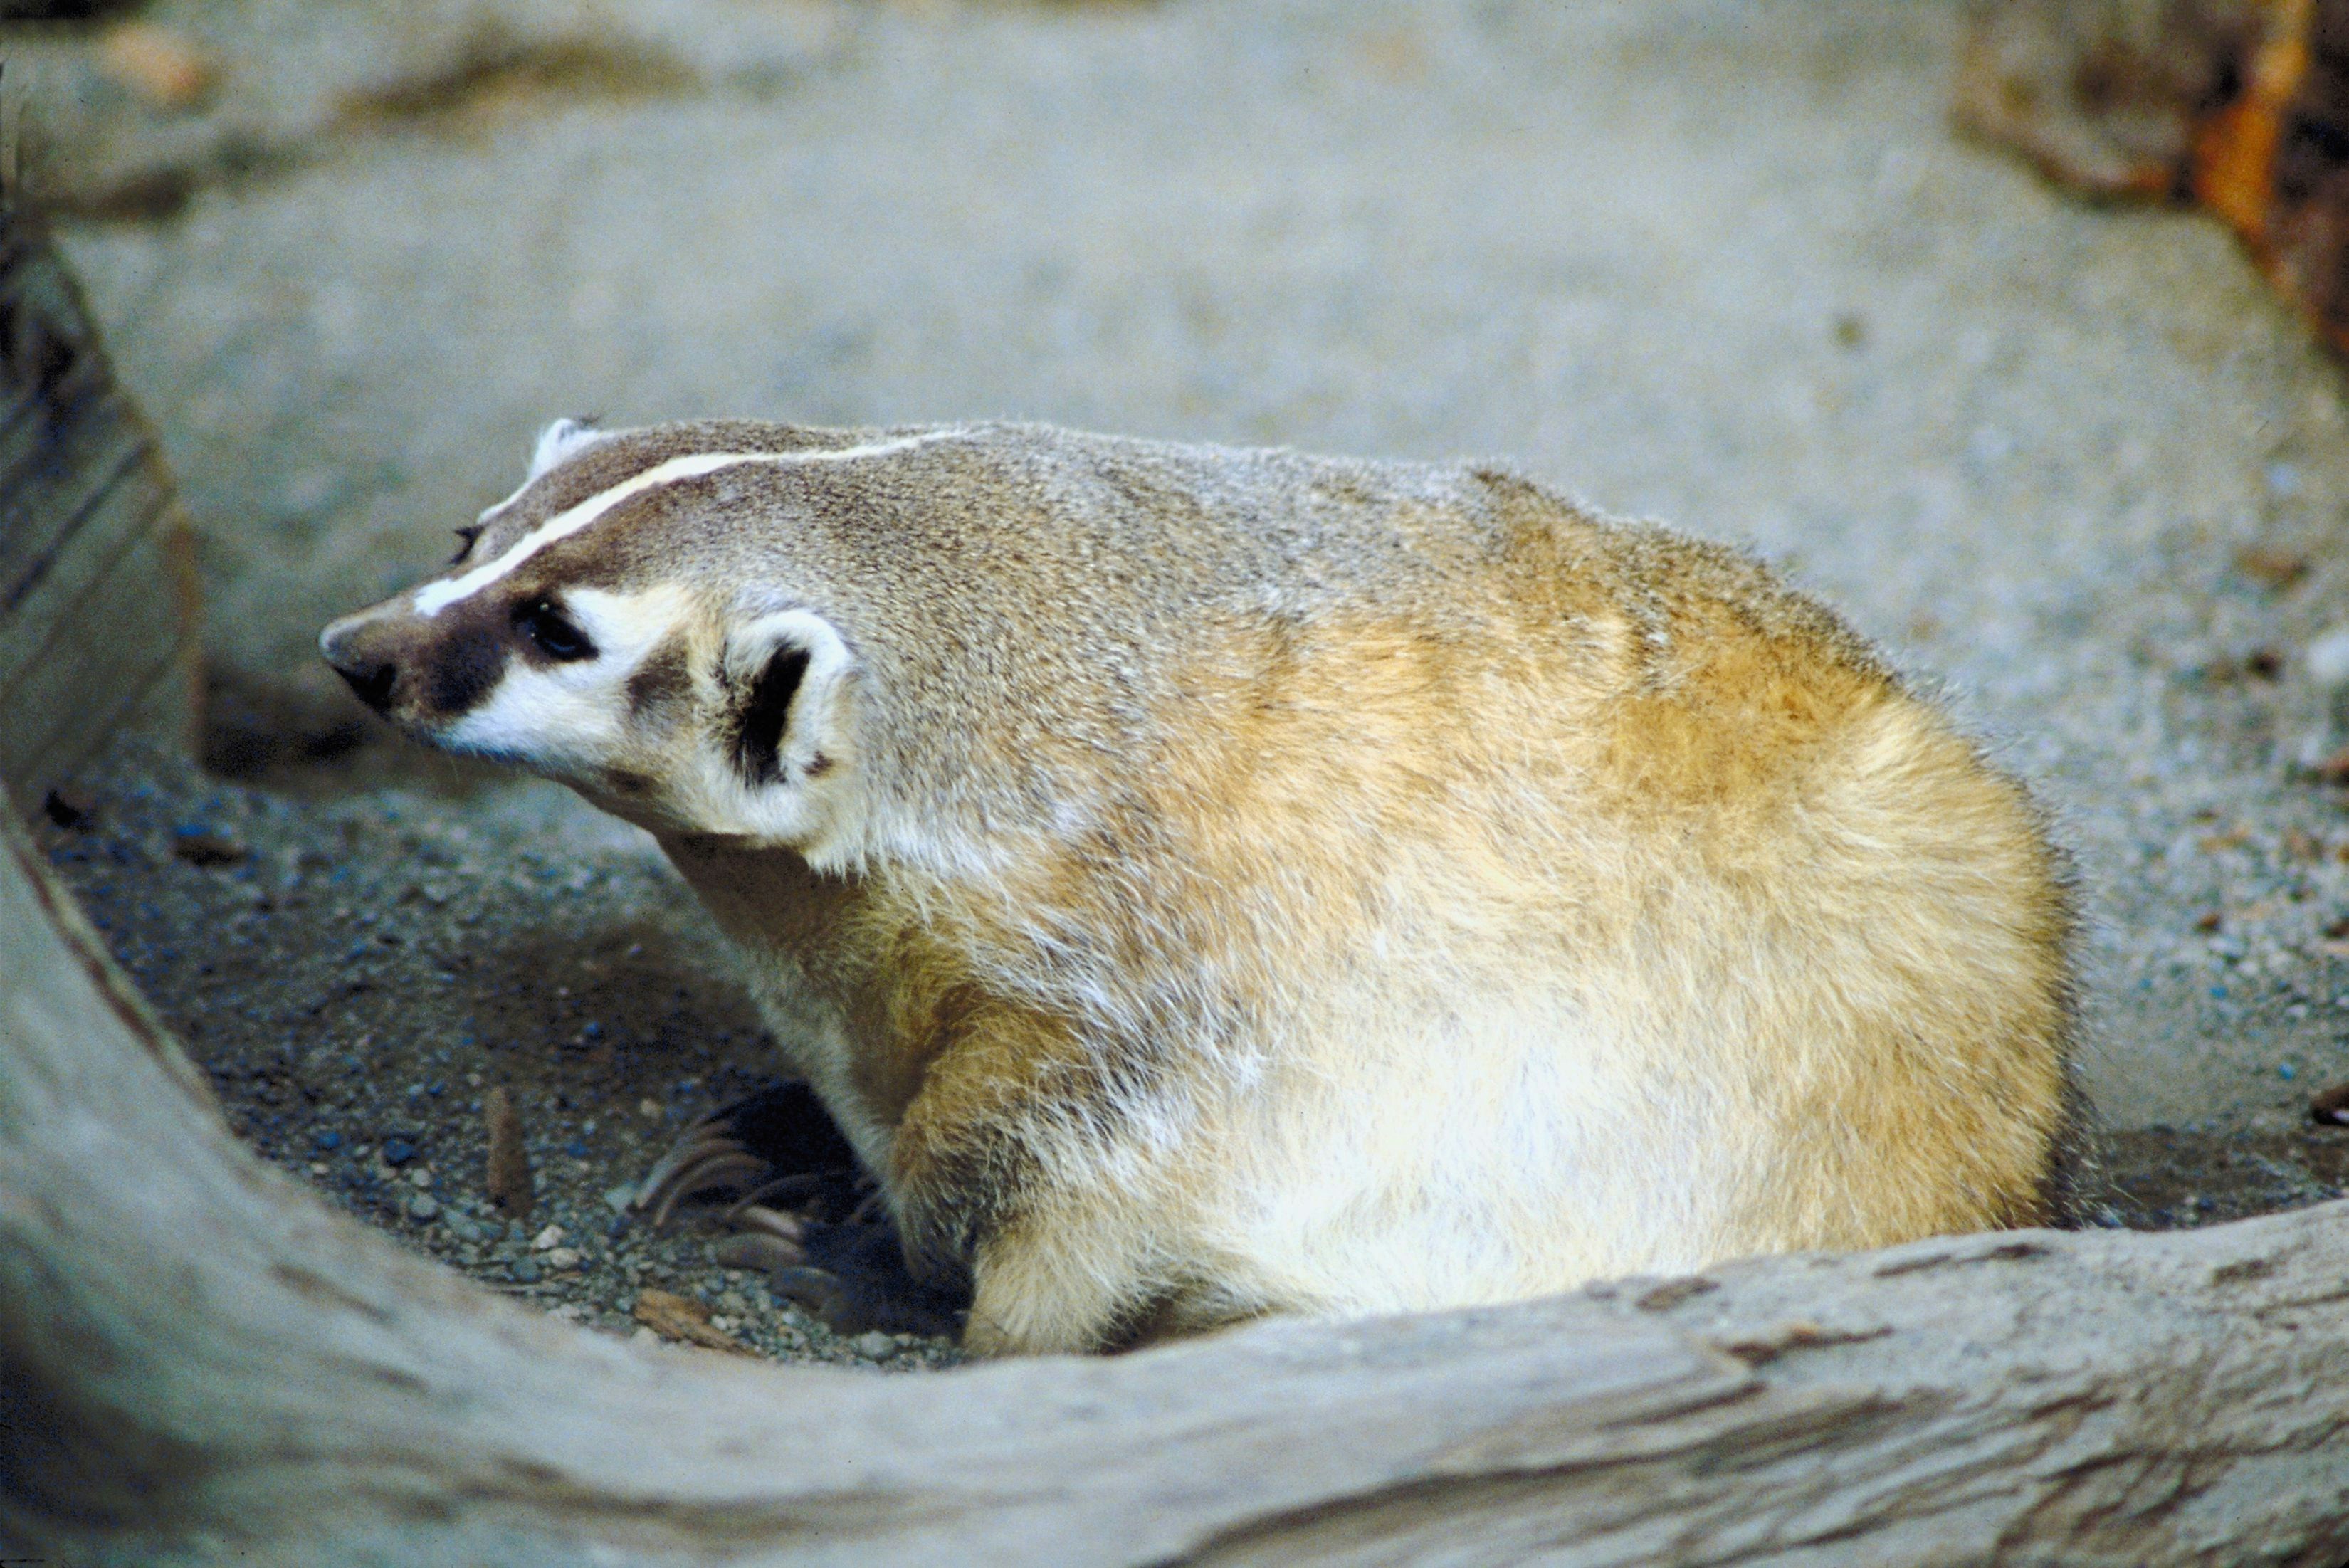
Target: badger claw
{"type": "Point", "coordinates": [753, 1148]}
{"type": "Point", "coordinates": [722, 1166]}
{"type": "Point", "coordinates": [834, 1250]}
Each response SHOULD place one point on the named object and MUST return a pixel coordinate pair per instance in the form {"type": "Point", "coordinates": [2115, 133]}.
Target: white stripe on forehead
{"type": "Point", "coordinates": [435, 597]}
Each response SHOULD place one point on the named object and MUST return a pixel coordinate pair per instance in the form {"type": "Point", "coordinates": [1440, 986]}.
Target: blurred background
{"type": "Point", "coordinates": [1948, 310]}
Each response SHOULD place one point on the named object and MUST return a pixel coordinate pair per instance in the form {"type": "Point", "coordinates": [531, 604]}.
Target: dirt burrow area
{"type": "Point", "coordinates": [357, 974]}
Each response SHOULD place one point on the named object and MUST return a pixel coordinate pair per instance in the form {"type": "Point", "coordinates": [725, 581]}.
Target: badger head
{"type": "Point", "coordinates": [631, 623]}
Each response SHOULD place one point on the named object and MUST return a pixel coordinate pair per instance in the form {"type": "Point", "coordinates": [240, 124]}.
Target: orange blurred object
{"type": "Point", "coordinates": [166, 68]}
{"type": "Point", "coordinates": [2240, 105]}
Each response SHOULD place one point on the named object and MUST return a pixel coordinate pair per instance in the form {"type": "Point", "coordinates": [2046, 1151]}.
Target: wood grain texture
{"type": "Point", "coordinates": [200, 1363]}
{"type": "Point", "coordinates": [97, 580]}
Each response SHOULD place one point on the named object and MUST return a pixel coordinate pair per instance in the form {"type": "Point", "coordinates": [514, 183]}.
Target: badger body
{"type": "Point", "coordinates": [1205, 884]}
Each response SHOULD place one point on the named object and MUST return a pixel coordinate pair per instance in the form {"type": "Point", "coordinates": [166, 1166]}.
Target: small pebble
{"type": "Point", "coordinates": [424, 1208]}
{"type": "Point", "coordinates": [202, 846]}
{"type": "Point", "coordinates": [69, 808]}
{"type": "Point", "coordinates": [874, 1344]}
{"type": "Point", "coordinates": [2272, 567]}
{"type": "Point", "coordinates": [397, 1150]}
{"type": "Point", "coordinates": [2326, 659]}
{"type": "Point", "coordinates": [550, 1237]}
{"type": "Point", "coordinates": [562, 1258]}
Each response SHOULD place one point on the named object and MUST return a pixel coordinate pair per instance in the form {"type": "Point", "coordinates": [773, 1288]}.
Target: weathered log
{"type": "Point", "coordinates": [98, 598]}
{"type": "Point", "coordinates": [201, 1362]}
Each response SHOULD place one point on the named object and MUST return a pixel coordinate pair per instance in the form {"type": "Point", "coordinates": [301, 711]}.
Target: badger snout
{"type": "Point", "coordinates": [362, 650]}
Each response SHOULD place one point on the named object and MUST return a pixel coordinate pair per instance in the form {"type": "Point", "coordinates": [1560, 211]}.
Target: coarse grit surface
{"type": "Point", "coordinates": [1721, 265]}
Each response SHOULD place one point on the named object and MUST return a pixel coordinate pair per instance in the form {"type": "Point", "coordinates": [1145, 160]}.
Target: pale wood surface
{"type": "Point", "coordinates": [96, 578]}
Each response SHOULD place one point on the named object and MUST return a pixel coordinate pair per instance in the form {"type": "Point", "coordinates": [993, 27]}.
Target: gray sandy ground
{"type": "Point", "coordinates": [355, 976]}
{"type": "Point", "coordinates": [1718, 263]}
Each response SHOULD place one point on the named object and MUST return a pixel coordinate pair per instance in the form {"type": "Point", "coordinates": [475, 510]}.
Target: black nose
{"type": "Point", "coordinates": [372, 679]}
{"type": "Point", "coordinates": [354, 646]}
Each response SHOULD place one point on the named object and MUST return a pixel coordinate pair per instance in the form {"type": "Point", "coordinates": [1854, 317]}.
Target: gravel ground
{"type": "Point", "coordinates": [356, 974]}
{"type": "Point", "coordinates": [1719, 264]}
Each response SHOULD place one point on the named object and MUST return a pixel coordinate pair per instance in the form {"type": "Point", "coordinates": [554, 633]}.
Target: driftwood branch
{"type": "Point", "coordinates": [91, 538]}
{"type": "Point", "coordinates": [201, 1362]}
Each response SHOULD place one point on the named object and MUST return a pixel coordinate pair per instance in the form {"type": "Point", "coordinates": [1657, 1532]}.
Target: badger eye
{"type": "Point", "coordinates": [465, 537]}
{"type": "Point", "coordinates": [553, 631]}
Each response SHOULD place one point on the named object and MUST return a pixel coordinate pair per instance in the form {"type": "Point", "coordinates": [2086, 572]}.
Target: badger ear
{"type": "Point", "coordinates": [559, 441]}
{"type": "Point", "coordinates": [786, 676]}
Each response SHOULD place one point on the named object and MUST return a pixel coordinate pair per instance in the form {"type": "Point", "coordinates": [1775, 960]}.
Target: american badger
{"type": "Point", "coordinates": [1205, 883]}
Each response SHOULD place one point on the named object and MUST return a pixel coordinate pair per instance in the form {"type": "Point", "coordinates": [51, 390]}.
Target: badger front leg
{"type": "Point", "coordinates": [993, 1167]}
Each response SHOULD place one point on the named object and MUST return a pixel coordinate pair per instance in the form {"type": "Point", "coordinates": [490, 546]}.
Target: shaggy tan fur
{"type": "Point", "coordinates": [1207, 883]}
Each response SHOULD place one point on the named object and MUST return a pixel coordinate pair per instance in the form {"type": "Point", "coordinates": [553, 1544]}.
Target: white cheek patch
{"type": "Point", "coordinates": [624, 627]}
{"type": "Point", "coordinates": [435, 597]}
{"type": "Point", "coordinates": [572, 717]}
{"type": "Point", "coordinates": [547, 719]}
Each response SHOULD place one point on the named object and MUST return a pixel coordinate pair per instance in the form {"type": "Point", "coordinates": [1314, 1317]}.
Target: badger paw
{"type": "Point", "coordinates": [773, 1151]}
{"type": "Point", "coordinates": [802, 1212]}
{"type": "Point", "coordinates": [852, 1277]}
